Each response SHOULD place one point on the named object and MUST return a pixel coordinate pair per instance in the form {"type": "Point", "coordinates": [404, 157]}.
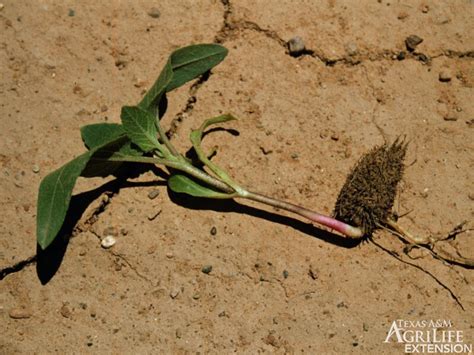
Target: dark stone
{"type": "Point", "coordinates": [412, 42]}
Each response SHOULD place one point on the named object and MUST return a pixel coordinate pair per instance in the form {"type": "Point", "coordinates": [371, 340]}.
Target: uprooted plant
{"type": "Point", "coordinates": [140, 138]}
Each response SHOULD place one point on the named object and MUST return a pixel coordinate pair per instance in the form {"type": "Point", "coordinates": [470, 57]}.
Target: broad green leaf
{"type": "Point", "coordinates": [54, 196]}
{"type": "Point", "coordinates": [182, 184]}
{"type": "Point", "coordinates": [101, 162]}
{"type": "Point", "coordinates": [140, 127]}
{"type": "Point", "coordinates": [152, 97]}
{"type": "Point", "coordinates": [98, 134]}
{"type": "Point", "coordinates": [190, 62]}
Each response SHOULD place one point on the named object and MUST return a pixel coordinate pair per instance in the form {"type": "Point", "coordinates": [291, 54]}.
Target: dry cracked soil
{"type": "Point", "coordinates": [277, 284]}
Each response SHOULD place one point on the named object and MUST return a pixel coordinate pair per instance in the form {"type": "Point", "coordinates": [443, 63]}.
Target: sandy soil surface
{"type": "Point", "coordinates": [277, 283]}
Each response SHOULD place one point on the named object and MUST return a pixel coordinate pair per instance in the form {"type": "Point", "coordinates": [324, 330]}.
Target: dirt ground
{"type": "Point", "coordinates": [278, 284]}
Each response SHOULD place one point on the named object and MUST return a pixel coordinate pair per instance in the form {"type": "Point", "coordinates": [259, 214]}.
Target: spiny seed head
{"type": "Point", "coordinates": [367, 197]}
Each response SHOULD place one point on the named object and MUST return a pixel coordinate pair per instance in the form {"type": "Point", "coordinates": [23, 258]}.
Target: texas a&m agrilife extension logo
{"type": "Point", "coordinates": [428, 337]}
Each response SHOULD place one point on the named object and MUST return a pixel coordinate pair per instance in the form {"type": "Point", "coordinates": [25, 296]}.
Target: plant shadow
{"type": "Point", "coordinates": [49, 260]}
{"type": "Point", "coordinates": [227, 206]}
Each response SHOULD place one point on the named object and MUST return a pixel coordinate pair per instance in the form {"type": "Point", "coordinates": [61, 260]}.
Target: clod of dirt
{"type": "Point", "coordinates": [20, 313]}
{"type": "Point", "coordinates": [445, 76]}
{"type": "Point", "coordinates": [412, 42]}
{"type": "Point", "coordinates": [351, 48]}
{"type": "Point", "coordinates": [153, 194]}
{"type": "Point", "coordinates": [154, 12]}
{"type": "Point", "coordinates": [296, 46]}
{"type": "Point", "coordinates": [367, 197]}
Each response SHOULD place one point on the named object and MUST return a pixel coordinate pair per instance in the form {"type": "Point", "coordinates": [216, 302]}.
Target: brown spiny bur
{"type": "Point", "coordinates": [367, 197]}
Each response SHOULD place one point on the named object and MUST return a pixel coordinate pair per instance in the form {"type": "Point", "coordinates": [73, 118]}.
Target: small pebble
{"type": "Point", "coordinates": [196, 296]}
{"type": "Point", "coordinates": [412, 42]}
{"type": "Point", "coordinates": [213, 231]}
{"type": "Point", "coordinates": [425, 9]}
{"type": "Point", "coordinates": [71, 13]}
{"type": "Point", "coordinates": [206, 269]}
{"type": "Point", "coordinates": [36, 169]}
{"type": "Point", "coordinates": [401, 55]}
{"type": "Point", "coordinates": [169, 255]}
{"type": "Point", "coordinates": [450, 117]}
{"type": "Point", "coordinates": [423, 58]}
{"type": "Point", "coordinates": [103, 108]}
{"type": "Point", "coordinates": [351, 48]}
{"type": "Point", "coordinates": [154, 12]}
{"type": "Point", "coordinates": [174, 293]}
{"type": "Point", "coordinates": [65, 311]}
{"type": "Point", "coordinates": [471, 196]}
{"type": "Point", "coordinates": [19, 313]}
{"type": "Point", "coordinates": [285, 274]}
{"type": "Point", "coordinates": [179, 333]}
{"type": "Point", "coordinates": [402, 15]}
{"type": "Point", "coordinates": [1, 7]}
{"type": "Point", "coordinates": [153, 194]}
{"type": "Point", "coordinates": [296, 46]}
{"type": "Point", "coordinates": [445, 75]}
{"type": "Point", "coordinates": [425, 194]}
{"type": "Point", "coordinates": [108, 242]}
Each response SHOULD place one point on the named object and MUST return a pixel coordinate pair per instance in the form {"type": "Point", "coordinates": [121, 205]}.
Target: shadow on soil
{"type": "Point", "coordinates": [226, 206]}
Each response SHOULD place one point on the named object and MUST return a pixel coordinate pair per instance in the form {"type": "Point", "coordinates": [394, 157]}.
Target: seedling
{"type": "Point", "coordinates": [364, 204]}
{"type": "Point", "coordinates": [140, 138]}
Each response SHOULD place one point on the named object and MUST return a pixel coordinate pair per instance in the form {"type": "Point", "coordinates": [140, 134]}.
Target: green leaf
{"type": "Point", "coordinates": [140, 127]}
{"type": "Point", "coordinates": [190, 62]}
{"type": "Point", "coordinates": [101, 164]}
{"type": "Point", "coordinates": [54, 196]}
{"type": "Point", "coordinates": [98, 134]}
{"type": "Point", "coordinates": [152, 97]}
{"type": "Point", "coordinates": [183, 184]}
{"type": "Point", "coordinates": [196, 137]}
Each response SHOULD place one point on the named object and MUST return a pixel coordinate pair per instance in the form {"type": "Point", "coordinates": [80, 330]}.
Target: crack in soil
{"type": "Point", "coordinates": [20, 265]}
{"type": "Point", "coordinates": [230, 29]}
{"type": "Point", "coordinates": [438, 281]}
{"type": "Point", "coordinates": [124, 259]}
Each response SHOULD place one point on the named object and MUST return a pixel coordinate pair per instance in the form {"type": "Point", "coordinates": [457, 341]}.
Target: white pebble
{"type": "Point", "coordinates": [108, 242]}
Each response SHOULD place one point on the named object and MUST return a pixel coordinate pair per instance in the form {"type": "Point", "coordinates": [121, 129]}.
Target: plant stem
{"type": "Point", "coordinates": [327, 221]}
{"type": "Point", "coordinates": [178, 165]}
{"type": "Point", "coordinates": [165, 140]}
{"type": "Point", "coordinates": [174, 163]}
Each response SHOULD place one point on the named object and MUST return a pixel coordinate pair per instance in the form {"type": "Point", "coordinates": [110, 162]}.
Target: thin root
{"type": "Point", "coordinates": [430, 244]}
